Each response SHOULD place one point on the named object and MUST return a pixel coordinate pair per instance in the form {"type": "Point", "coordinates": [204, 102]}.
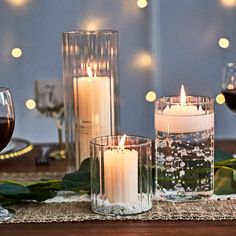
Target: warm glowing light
{"type": "Point", "coordinates": [16, 3]}
{"type": "Point", "coordinates": [151, 96]}
{"type": "Point", "coordinates": [223, 42]}
{"type": "Point", "coordinates": [220, 99]}
{"type": "Point", "coordinates": [92, 24]}
{"type": "Point", "coordinates": [143, 60]}
{"type": "Point", "coordinates": [228, 3]}
{"type": "Point", "coordinates": [122, 142]}
{"type": "Point", "coordinates": [30, 104]}
{"type": "Point", "coordinates": [142, 3]}
{"type": "Point", "coordinates": [230, 86]}
{"type": "Point", "coordinates": [182, 96]}
{"type": "Point", "coordinates": [89, 72]}
{"type": "Point", "coordinates": [16, 52]}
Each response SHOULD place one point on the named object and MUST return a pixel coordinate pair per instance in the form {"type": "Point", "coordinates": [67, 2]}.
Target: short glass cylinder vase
{"type": "Point", "coordinates": [121, 179]}
{"type": "Point", "coordinates": [184, 148]}
{"type": "Point", "coordinates": [90, 90]}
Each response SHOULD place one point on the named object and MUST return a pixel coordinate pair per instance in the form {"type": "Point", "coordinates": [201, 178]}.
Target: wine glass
{"type": "Point", "coordinates": [49, 102]}
{"type": "Point", "coordinates": [228, 87]}
{"type": "Point", "coordinates": [7, 122]}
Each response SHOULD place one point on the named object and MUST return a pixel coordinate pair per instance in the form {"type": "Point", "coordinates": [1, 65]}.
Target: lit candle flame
{"type": "Point", "coordinates": [182, 96]}
{"type": "Point", "coordinates": [122, 142]}
{"type": "Point", "coordinates": [92, 71]}
{"type": "Point", "coordinates": [89, 72]}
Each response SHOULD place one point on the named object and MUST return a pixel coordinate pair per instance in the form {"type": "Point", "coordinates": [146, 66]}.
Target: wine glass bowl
{"type": "Point", "coordinates": [228, 85]}
{"type": "Point", "coordinates": [7, 117]}
{"type": "Point", "coordinates": [7, 123]}
{"type": "Point", "coordinates": [49, 102]}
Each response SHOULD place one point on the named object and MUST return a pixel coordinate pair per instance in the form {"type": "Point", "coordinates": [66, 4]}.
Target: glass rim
{"type": "Point", "coordinates": [203, 100]}
{"type": "Point", "coordinates": [2, 89]}
{"type": "Point", "coordinates": [145, 139]}
{"type": "Point", "coordinates": [90, 32]}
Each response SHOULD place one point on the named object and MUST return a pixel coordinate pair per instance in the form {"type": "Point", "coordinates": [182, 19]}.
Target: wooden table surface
{"type": "Point", "coordinates": [166, 228]}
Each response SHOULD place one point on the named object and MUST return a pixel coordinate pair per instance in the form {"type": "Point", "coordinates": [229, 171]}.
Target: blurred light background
{"type": "Point", "coordinates": [162, 44]}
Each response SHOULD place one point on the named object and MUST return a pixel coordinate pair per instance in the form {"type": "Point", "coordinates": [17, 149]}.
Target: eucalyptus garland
{"type": "Point", "coordinates": [12, 192]}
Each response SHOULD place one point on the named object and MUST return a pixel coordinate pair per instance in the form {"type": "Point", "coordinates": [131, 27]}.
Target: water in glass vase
{"type": "Point", "coordinates": [185, 165]}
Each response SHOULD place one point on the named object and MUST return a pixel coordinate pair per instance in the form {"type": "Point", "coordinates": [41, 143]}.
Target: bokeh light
{"type": "Point", "coordinates": [220, 99]}
{"type": "Point", "coordinates": [143, 60]}
{"type": "Point", "coordinates": [16, 52]}
{"type": "Point", "coordinates": [16, 3]}
{"type": "Point", "coordinates": [30, 104]}
{"type": "Point", "coordinates": [228, 3]}
{"type": "Point", "coordinates": [151, 96]}
{"type": "Point", "coordinates": [92, 23]}
{"type": "Point", "coordinates": [230, 86]}
{"type": "Point", "coordinates": [223, 42]}
{"type": "Point", "coordinates": [142, 3]}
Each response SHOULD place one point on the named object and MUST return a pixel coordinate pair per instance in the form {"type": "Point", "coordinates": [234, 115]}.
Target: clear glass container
{"type": "Point", "coordinates": [121, 178]}
{"type": "Point", "coordinates": [184, 148]}
{"type": "Point", "coordinates": [90, 90]}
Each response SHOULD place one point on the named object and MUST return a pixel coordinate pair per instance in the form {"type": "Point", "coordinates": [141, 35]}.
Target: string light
{"type": "Point", "coordinates": [16, 3]}
{"type": "Point", "coordinates": [16, 52]}
{"type": "Point", "coordinates": [30, 104]}
{"type": "Point", "coordinates": [228, 3]}
{"type": "Point", "coordinates": [142, 3]}
{"type": "Point", "coordinates": [220, 99]}
{"type": "Point", "coordinates": [151, 96]}
{"type": "Point", "coordinates": [223, 42]}
{"type": "Point", "coordinates": [143, 60]}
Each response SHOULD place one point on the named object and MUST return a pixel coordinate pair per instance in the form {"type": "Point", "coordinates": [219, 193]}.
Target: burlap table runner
{"type": "Point", "coordinates": [80, 211]}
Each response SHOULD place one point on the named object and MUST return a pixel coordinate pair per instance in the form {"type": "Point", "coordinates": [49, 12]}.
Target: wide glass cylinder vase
{"type": "Point", "coordinates": [90, 90]}
{"type": "Point", "coordinates": [184, 148]}
{"type": "Point", "coordinates": [121, 179]}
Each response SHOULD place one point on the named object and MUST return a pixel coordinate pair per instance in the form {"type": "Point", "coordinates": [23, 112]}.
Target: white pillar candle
{"type": "Point", "coordinates": [183, 118]}
{"type": "Point", "coordinates": [92, 110]}
{"type": "Point", "coordinates": [121, 175]}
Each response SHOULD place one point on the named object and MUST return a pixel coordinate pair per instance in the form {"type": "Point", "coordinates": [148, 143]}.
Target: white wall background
{"type": "Point", "coordinates": [36, 28]}
{"type": "Point", "coordinates": [185, 36]}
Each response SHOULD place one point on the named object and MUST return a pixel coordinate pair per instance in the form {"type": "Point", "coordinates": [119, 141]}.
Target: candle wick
{"type": "Point", "coordinates": [120, 149]}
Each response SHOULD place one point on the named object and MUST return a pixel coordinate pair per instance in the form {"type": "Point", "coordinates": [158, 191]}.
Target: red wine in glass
{"type": "Point", "coordinates": [7, 121]}
{"type": "Point", "coordinates": [230, 98]}
{"type": "Point", "coordinates": [228, 87]}
{"type": "Point", "coordinates": [6, 130]}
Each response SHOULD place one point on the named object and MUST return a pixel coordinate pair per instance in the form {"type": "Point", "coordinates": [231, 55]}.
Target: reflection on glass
{"type": "Point", "coordinates": [49, 102]}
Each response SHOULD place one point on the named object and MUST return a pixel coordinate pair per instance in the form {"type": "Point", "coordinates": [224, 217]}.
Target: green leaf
{"type": "Point", "coordinates": [85, 165]}
{"type": "Point", "coordinates": [225, 181]}
{"type": "Point", "coordinates": [12, 189]}
{"type": "Point", "coordinates": [38, 195]}
{"type": "Point", "coordinates": [49, 184]}
{"type": "Point", "coordinates": [79, 180]}
{"type": "Point", "coordinates": [221, 155]}
{"type": "Point", "coordinates": [229, 162]}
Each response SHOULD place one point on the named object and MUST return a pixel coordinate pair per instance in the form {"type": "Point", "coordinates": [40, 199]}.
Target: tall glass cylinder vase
{"type": "Point", "coordinates": [90, 90]}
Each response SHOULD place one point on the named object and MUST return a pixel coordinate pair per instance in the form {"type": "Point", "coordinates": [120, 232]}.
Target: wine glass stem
{"type": "Point", "coordinates": [59, 132]}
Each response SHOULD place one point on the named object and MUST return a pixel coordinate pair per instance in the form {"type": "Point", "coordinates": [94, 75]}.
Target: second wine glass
{"type": "Point", "coordinates": [49, 102]}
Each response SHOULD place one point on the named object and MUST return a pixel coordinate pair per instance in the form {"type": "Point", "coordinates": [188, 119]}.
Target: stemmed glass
{"type": "Point", "coordinates": [7, 122]}
{"type": "Point", "coordinates": [49, 102]}
{"type": "Point", "coordinates": [228, 87]}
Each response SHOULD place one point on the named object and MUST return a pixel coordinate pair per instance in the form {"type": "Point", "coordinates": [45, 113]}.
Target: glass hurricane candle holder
{"type": "Point", "coordinates": [90, 90]}
{"type": "Point", "coordinates": [121, 181]}
{"type": "Point", "coordinates": [184, 148]}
